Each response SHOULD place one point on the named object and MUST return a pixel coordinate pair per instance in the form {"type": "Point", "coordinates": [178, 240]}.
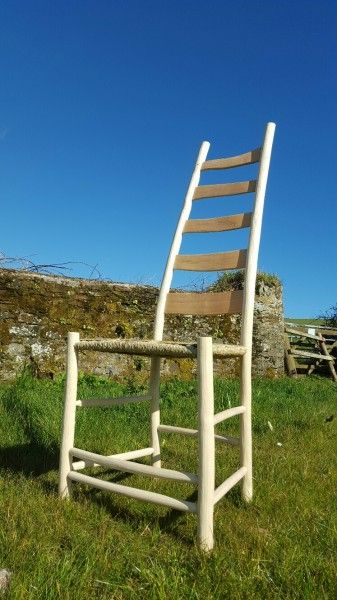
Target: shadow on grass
{"type": "Point", "coordinates": [28, 459]}
{"type": "Point", "coordinates": [33, 460]}
{"type": "Point", "coordinates": [106, 501]}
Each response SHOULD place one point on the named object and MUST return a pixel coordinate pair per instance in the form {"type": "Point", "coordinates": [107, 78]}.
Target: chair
{"type": "Point", "coordinates": [204, 350]}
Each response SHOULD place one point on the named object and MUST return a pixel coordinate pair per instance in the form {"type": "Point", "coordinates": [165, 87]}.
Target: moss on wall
{"type": "Point", "coordinates": [37, 311]}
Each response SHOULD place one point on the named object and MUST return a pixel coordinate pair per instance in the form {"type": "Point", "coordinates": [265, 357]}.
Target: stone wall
{"type": "Point", "coordinates": [37, 311]}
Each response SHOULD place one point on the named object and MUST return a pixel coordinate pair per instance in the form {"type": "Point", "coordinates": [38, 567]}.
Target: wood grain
{"type": "Point", "coordinates": [204, 303]}
{"type": "Point", "coordinates": [224, 189]}
{"type": "Point", "coordinates": [218, 223]}
{"type": "Point", "coordinates": [233, 161]}
{"type": "Point", "coordinates": [219, 261]}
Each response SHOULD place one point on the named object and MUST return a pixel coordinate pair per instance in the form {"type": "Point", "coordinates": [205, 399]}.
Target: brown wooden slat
{"type": "Point", "coordinates": [300, 333]}
{"type": "Point", "coordinates": [220, 261]}
{"type": "Point", "coordinates": [304, 354]}
{"type": "Point", "coordinates": [233, 161]}
{"type": "Point", "coordinates": [218, 223]}
{"type": "Point", "coordinates": [224, 189]}
{"type": "Point", "coordinates": [204, 303]}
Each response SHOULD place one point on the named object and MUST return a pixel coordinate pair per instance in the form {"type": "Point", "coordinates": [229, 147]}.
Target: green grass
{"type": "Point", "coordinates": [308, 321]}
{"type": "Point", "coordinates": [104, 546]}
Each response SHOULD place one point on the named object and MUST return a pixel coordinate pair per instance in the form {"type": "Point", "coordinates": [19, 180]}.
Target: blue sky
{"type": "Point", "coordinates": [103, 108]}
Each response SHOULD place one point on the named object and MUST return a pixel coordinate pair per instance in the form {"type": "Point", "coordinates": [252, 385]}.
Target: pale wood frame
{"type": "Point", "coordinates": [168, 302]}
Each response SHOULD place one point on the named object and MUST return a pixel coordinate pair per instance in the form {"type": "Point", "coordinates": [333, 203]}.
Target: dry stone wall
{"type": "Point", "coordinates": [37, 311]}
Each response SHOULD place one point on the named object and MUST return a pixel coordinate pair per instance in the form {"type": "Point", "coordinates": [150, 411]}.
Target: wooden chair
{"type": "Point", "coordinates": [204, 350]}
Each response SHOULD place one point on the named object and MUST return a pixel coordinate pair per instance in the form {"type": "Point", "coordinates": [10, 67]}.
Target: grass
{"type": "Point", "coordinates": [103, 546]}
{"type": "Point", "coordinates": [308, 321]}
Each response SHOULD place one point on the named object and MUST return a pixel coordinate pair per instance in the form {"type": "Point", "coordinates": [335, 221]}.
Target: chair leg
{"type": "Point", "coordinates": [206, 444]}
{"type": "Point", "coordinates": [246, 427]}
{"type": "Point", "coordinates": [68, 431]}
{"type": "Point", "coordinates": [155, 410]}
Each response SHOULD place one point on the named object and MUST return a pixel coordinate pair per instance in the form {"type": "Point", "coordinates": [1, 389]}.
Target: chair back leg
{"type": "Point", "coordinates": [206, 443]}
{"type": "Point", "coordinates": [155, 410]}
{"type": "Point", "coordinates": [68, 430]}
{"type": "Point", "coordinates": [246, 426]}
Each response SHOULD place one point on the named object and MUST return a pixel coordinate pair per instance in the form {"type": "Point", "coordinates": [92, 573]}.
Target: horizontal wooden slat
{"type": "Point", "coordinates": [219, 261]}
{"type": "Point", "coordinates": [305, 354]}
{"type": "Point", "coordinates": [131, 455]}
{"type": "Point", "coordinates": [228, 413]}
{"type": "Point", "coordinates": [227, 485]}
{"type": "Point", "coordinates": [302, 334]}
{"type": "Point", "coordinates": [130, 467]}
{"type": "Point", "coordinates": [218, 223]}
{"type": "Point", "coordinates": [233, 161]}
{"type": "Point", "coordinates": [136, 493]}
{"type": "Point", "coordinates": [224, 189]}
{"type": "Point", "coordinates": [204, 303]}
{"type": "Point", "coordinates": [232, 441]}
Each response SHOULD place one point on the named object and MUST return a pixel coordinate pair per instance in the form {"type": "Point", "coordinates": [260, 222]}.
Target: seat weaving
{"type": "Point", "coordinates": [157, 348]}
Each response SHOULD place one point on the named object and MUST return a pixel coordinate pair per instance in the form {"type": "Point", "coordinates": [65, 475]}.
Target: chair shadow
{"type": "Point", "coordinates": [28, 459]}
{"type": "Point", "coordinates": [165, 523]}
{"type": "Point", "coordinates": [34, 460]}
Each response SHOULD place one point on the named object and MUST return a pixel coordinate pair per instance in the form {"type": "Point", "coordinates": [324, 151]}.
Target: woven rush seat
{"type": "Point", "coordinates": [165, 349]}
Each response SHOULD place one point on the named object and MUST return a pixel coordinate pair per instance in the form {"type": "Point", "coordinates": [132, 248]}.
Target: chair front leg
{"type": "Point", "coordinates": [68, 430]}
{"type": "Point", "coordinates": [206, 443]}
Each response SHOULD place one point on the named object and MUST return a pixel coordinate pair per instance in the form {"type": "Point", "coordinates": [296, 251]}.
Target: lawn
{"type": "Point", "coordinates": [104, 546]}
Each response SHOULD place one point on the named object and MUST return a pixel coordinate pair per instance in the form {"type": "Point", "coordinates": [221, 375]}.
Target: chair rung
{"type": "Point", "coordinates": [136, 493]}
{"type": "Point", "coordinates": [181, 430]}
{"type": "Point", "coordinates": [228, 413]}
{"type": "Point", "coordinates": [129, 467]}
{"type": "Point", "coordinates": [112, 401]}
{"type": "Point", "coordinates": [131, 455]}
{"type": "Point", "coordinates": [229, 483]}
{"type": "Point", "coordinates": [194, 432]}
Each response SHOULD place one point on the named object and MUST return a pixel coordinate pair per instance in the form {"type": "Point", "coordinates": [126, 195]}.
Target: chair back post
{"type": "Point", "coordinates": [160, 312]}
{"type": "Point", "coordinates": [254, 238]}
{"type": "Point", "coordinates": [248, 315]}
{"type": "Point", "coordinates": [176, 243]}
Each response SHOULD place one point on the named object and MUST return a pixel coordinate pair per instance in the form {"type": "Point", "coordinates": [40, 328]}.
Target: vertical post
{"type": "Point", "coordinates": [206, 443]}
{"type": "Point", "coordinates": [248, 313]}
{"type": "Point", "coordinates": [246, 425]}
{"type": "Point", "coordinates": [155, 410]}
{"type": "Point", "coordinates": [290, 361]}
{"type": "Point", "coordinates": [327, 353]}
{"type": "Point", "coordinates": [68, 430]}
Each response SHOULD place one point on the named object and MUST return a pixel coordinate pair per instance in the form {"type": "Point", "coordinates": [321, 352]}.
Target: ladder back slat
{"type": "Point", "coordinates": [204, 303]}
{"type": "Point", "coordinates": [248, 158]}
{"type": "Point", "coordinates": [219, 261]}
{"type": "Point", "coordinates": [218, 223]}
{"type": "Point", "coordinates": [224, 189]}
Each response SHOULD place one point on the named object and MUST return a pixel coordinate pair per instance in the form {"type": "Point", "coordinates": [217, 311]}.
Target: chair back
{"type": "Point", "coordinates": [227, 302]}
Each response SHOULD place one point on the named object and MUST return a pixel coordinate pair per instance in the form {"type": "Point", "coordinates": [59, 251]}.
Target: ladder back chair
{"type": "Point", "coordinates": [73, 460]}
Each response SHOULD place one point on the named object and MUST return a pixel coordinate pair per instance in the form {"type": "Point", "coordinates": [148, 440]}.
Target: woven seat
{"type": "Point", "coordinates": [202, 348]}
{"type": "Point", "coordinates": [161, 348]}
